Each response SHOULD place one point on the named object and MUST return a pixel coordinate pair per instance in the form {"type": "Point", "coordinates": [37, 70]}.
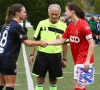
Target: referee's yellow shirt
{"type": "Point", "coordinates": [48, 32]}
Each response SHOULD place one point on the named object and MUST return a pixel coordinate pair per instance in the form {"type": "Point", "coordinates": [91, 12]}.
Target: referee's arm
{"type": "Point", "coordinates": [64, 59]}
{"type": "Point", "coordinates": [65, 49]}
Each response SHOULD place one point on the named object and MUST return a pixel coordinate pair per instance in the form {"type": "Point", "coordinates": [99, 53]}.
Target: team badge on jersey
{"type": "Point", "coordinates": [86, 77]}
{"type": "Point", "coordinates": [87, 28]}
{"type": "Point", "coordinates": [57, 37]}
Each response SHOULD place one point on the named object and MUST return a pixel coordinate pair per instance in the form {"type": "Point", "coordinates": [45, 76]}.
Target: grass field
{"type": "Point", "coordinates": [64, 84]}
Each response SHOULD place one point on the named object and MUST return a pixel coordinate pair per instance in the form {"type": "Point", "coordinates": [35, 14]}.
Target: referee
{"type": "Point", "coordinates": [49, 59]}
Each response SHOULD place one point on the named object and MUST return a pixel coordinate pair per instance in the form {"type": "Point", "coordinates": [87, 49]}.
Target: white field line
{"type": "Point", "coordinates": [63, 72]}
{"type": "Point", "coordinates": [28, 74]}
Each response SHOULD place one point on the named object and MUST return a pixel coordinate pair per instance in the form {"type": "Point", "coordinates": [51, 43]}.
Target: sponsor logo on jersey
{"type": "Point", "coordinates": [44, 28]}
{"type": "Point", "coordinates": [74, 39]}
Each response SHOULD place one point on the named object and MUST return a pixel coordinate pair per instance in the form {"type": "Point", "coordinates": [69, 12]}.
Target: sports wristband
{"type": "Point", "coordinates": [65, 59]}
{"type": "Point", "coordinates": [31, 55]}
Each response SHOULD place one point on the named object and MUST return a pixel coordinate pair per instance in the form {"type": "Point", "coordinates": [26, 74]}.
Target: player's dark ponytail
{"type": "Point", "coordinates": [8, 16]}
{"type": "Point", "coordinates": [74, 6]}
{"type": "Point", "coordinates": [11, 12]}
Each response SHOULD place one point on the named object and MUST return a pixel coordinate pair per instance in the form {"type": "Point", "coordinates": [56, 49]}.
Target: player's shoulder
{"type": "Point", "coordinates": [14, 24]}
{"type": "Point", "coordinates": [83, 22]}
{"type": "Point", "coordinates": [84, 25]}
{"type": "Point", "coordinates": [70, 25]}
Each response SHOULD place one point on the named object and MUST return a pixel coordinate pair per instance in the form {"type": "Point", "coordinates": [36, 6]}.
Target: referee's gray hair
{"type": "Point", "coordinates": [54, 5]}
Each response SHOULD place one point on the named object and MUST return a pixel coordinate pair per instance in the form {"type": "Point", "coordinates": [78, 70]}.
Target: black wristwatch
{"type": "Point", "coordinates": [31, 55]}
{"type": "Point", "coordinates": [65, 59]}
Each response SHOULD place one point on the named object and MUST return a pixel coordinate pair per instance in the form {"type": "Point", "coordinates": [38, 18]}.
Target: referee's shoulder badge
{"type": "Point", "coordinates": [86, 77]}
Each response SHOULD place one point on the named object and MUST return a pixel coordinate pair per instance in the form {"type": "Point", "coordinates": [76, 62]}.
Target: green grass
{"type": "Point", "coordinates": [30, 33]}
{"type": "Point", "coordinates": [21, 83]}
{"type": "Point", "coordinates": [63, 84]}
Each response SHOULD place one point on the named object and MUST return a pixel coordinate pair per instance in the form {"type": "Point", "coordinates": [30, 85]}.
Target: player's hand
{"type": "Point", "coordinates": [31, 60]}
{"type": "Point", "coordinates": [43, 44]}
{"type": "Point", "coordinates": [64, 63]}
{"type": "Point", "coordinates": [86, 65]}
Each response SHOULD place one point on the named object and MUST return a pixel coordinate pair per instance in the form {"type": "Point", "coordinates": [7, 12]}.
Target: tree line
{"type": "Point", "coordinates": [37, 9]}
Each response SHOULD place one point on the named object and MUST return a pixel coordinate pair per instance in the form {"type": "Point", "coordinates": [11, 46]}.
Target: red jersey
{"type": "Point", "coordinates": [78, 36]}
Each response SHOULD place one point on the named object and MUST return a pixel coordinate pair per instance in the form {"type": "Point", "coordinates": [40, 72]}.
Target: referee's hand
{"type": "Point", "coordinates": [63, 63]}
{"type": "Point", "coordinates": [43, 44]}
{"type": "Point", "coordinates": [31, 60]}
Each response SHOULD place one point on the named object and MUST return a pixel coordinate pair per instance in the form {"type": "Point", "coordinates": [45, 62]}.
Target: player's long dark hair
{"type": "Point", "coordinates": [74, 6]}
{"type": "Point", "coordinates": [11, 12]}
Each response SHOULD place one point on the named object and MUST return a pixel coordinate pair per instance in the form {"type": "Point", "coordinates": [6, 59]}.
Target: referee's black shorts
{"type": "Point", "coordinates": [48, 62]}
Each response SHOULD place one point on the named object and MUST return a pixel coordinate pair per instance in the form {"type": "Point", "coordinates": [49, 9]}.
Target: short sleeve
{"type": "Point", "coordinates": [87, 31]}
{"type": "Point", "coordinates": [38, 31]}
{"type": "Point", "coordinates": [21, 32]}
{"type": "Point", "coordinates": [66, 33]}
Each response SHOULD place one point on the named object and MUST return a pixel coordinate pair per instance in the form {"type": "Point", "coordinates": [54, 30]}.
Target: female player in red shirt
{"type": "Point", "coordinates": [81, 41]}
